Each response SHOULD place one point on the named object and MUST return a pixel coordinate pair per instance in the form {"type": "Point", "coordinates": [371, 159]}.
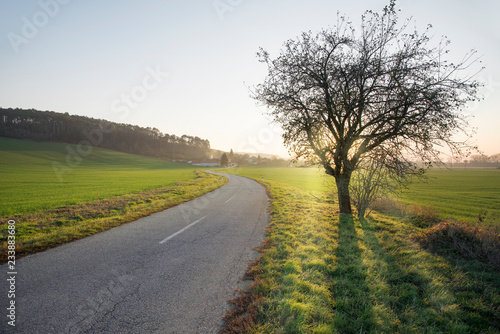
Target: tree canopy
{"type": "Point", "coordinates": [224, 161]}
{"type": "Point", "coordinates": [385, 93]}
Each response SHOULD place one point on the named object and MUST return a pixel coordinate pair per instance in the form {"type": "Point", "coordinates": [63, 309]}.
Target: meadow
{"type": "Point", "coordinates": [311, 179]}
{"type": "Point", "coordinates": [30, 183]}
{"type": "Point", "coordinates": [323, 273]}
{"type": "Point", "coordinates": [461, 194]}
{"type": "Point", "coordinates": [103, 190]}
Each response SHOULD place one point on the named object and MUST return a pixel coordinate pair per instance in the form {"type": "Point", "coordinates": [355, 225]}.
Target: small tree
{"type": "Point", "coordinates": [365, 187]}
{"type": "Point", "coordinates": [339, 95]}
{"type": "Point", "coordinates": [224, 161]}
{"type": "Point", "coordinates": [372, 181]}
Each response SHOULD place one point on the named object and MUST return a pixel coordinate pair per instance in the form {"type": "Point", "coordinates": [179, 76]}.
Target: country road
{"type": "Point", "coordinates": [171, 272]}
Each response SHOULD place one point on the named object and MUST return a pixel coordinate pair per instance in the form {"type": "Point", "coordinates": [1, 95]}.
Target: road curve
{"type": "Point", "coordinates": [171, 272]}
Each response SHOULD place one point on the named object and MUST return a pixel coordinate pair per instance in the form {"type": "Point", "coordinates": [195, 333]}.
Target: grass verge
{"type": "Point", "coordinates": [46, 229]}
{"type": "Point", "coordinates": [321, 273]}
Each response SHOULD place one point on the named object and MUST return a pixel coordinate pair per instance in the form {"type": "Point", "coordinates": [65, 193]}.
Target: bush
{"type": "Point", "coordinates": [422, 215]}
{"type": "Point", "coordinates": [389, 206]}
{"type": "Point", "coordinates": [419, 215]}
{"type": "Point", "coordinates": [471, 241]}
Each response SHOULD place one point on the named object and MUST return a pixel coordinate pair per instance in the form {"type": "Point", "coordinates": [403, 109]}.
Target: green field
{"type": "Point", "coordinates": [30, 183]}
{"type": "Point", "coordinates": [458, 194]}
{"type": "Point", "coordinates": [103, 190]}
{"type": "Point", "coordinates": [321, 273]}
{"type": "Point", "coordinates": [313, 179]}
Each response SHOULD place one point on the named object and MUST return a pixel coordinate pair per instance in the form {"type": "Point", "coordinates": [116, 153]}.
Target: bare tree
{"type": "Point", "coordinates": [372, 180]}
{"type": "Point", "coordinates": [367, 183]}
{"type": "Point", "coordinates": [340, 94]}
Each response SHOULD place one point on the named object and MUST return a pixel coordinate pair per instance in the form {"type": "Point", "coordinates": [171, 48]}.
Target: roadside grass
{"type": "Point", "coordinates": [321, 273]}
{"type": "Point", "coordinates": [30, 183]}
{"type": "Point", "coordinates": [103, 190]}
{"type": "Point", "coordinates": [46, 229]}
{"type": "Point", "coordinates": [292, 277]}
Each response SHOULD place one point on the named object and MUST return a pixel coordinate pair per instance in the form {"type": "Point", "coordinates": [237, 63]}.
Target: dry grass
{"type": "Point", "coordinates": [464, 240]}
{"type": "Point", "coordinates": [242, 316]}
{"type": "Point", "coordinates": [476, 241]}
{"type": "Point", "coordinates": [419, 215]}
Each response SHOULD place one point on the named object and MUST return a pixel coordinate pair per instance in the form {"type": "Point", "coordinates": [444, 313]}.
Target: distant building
{"type": "Point", "coordinates": [206, 162]}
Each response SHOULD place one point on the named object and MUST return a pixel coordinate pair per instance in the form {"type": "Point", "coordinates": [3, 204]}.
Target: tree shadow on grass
{"type": "Point", "coordinates": [417, 303]}
{"type": "Point", "coordinates": [404, 291]}
{"type": "Point", "coordinates": [351, 294]}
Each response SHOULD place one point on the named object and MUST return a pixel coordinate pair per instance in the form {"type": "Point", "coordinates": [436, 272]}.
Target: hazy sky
{"type": "Point", "coordinates": [185, 67]}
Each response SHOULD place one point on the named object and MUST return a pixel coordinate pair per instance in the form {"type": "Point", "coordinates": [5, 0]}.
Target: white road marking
{"type": "Point", "coordinates": [230, 198]}
{"type": "Point", "coordinates": [182, 230]}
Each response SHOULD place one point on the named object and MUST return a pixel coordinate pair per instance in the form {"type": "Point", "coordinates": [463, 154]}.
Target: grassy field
{"type": "Point", "coordinates": [104, 190]}
{"type": "Point", "coordinates": [321, 273]}
{"type": "Point", "coordinates": [30, 184]}
{"type": "Point", "coordinates": [459, 193]}
{"type": "Point", "coordinates": [312, 179]}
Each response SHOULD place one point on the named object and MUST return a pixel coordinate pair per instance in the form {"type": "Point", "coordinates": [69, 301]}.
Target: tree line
{"type": "Point", "coordinates": [51, 126]}
{"type": "Point", "coordinates": [239, 159]}
{"type": "Point", "coordinates": [479, 160]}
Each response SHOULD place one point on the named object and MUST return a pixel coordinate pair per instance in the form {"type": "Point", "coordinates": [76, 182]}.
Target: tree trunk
{"type": "Point", "coordinates": [342, 181]}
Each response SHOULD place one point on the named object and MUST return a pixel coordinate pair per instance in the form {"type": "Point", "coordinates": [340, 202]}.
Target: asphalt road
{"type": "Point", "coordinates": [171, 272]}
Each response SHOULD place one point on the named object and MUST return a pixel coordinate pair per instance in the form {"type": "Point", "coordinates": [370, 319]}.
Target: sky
{"type": "Point", "coordinates": [188, 67]}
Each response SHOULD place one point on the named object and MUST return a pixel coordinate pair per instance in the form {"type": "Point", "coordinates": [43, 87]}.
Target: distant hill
{"type": "Point", "coordinates": [50, 126]}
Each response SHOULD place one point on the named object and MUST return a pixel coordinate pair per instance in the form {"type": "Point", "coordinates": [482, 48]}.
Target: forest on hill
{"type": "Point", "coordinates": [50, 126]}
